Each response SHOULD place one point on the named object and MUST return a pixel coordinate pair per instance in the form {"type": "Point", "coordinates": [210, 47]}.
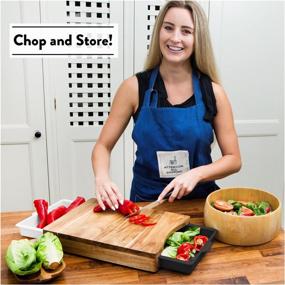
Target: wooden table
{"type": "Point", "coordinates": [224, 264]}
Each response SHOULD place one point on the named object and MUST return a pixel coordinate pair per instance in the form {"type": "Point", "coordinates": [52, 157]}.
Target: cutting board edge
{"type": "Point", "coordinates": [105, 245]}
{"type": "Point", "coordinates": [129, 259]}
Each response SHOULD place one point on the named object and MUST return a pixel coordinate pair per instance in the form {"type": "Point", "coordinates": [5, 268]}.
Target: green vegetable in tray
{"type": "Point", "coordinates": [49, 250]}
{"type": "Point", "coordinates": [178, 238]}
{"type": "Point", "coordinates": [21, 257]}
{"type": "Point", "coordinates": [170, 251]}
{"type": "Point", "coordinates": [184, 245]}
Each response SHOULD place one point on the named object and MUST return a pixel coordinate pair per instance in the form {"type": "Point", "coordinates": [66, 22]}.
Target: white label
{"type": "Point", "coordinates": [63, 40]}
{"type": "Point", "coordinates": [172, 163]}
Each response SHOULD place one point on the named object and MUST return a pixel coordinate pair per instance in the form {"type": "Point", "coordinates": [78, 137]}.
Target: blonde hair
{"type": "Point", "coordinates": [203, 56]}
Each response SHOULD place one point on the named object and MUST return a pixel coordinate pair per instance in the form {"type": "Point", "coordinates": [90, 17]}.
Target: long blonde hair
{"type": "Point", "coordinates": [203, 56]}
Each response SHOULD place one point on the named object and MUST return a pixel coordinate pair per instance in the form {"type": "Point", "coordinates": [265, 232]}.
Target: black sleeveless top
{"type": "Point", "coordinates": [206, 89]}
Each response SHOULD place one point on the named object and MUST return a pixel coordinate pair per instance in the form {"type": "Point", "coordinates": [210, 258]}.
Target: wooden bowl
{"type": "Point", "coordinates": [242, 230]}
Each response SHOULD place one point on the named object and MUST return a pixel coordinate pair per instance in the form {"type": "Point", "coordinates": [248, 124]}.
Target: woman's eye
{"type": "Point", "coordinates": [187, 32]}
{"type": "Point", "coordinates": [168, 28]}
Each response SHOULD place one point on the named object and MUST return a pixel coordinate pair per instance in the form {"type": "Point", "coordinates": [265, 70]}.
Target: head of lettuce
{"type": "Point", "coordinates": [24, 257]}
{"type": "Point", "coordinates": [49, 250]}
{"type": "Point", "coordinates": [21, 257]}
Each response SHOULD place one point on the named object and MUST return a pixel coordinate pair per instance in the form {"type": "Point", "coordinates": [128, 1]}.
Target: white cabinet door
{"type": "Point", "coordinates": [24, 175]}
{"type": "Point", "coordinates": [83, 89]}
{"type": "Point", "coordinates": [248, 41]}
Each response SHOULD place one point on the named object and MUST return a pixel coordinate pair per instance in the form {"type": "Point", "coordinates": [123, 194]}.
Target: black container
{"type": "Point", "coordinates": [188, 266]}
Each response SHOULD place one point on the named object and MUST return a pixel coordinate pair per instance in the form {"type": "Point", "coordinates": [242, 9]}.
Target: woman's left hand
{"type": "Point", "coordinates": [182, 185]}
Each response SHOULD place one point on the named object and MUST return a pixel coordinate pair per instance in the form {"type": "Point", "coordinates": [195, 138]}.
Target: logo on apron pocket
{"type": "Point", "coordinates": [172, 163]}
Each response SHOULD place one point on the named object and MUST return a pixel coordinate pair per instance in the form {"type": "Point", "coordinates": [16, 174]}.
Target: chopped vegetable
{"type": "Point", "coordinates": [243, 208]}
{"type": "Point", "coordinates": [78, 201]}
{"type": "Point", "coordinates": [55, 214]}
{"type": "Point", "coordinates": [128, 208]}
{"type": "Point", "coordinates": [199, 242]}
{"type": "Point", "coordinates": [170, 251]}
{"type": "Point", "coordinates": [49, 250]}
{"type": "Point", "coordinates": [223, 205]}
{"type": "Point", "coordinates": [41, 206]}
{"type": "Point", "coordinates": [184, 245]}
{"type": "Point", "coordinates": [141, 220]}
{"type": "Point", "coordinates": [21, 257]}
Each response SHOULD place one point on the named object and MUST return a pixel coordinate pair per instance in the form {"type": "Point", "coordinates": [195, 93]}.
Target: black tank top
{"type": "Point", "coordinates": [206, 89]}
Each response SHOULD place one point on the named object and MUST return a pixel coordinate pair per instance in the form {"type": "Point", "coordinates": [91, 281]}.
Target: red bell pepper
{"type": "Point", "coordinates": [55, 214]}
{"type": "Point", "coordinates": [185, 247]}
{"type": "Point", "coordinates": [199, 242]}
{"type": "Point", "coordinates": [98, 208]}
{"type": "Point", "coordinates": [128, 208]}
{"type": "Point", "coordinates": [183, 256]}
{"type": "Point", "coordinates": [78, 201]}
{"type": "Point", "coordinates": [141, 220]}
{"type": "Point", "coordinates": [41, 206]}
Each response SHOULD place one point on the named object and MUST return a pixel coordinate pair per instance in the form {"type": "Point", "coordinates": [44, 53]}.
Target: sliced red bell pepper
{"type": "Point", "coordinates": [141, 219]}
{"type": "Point", "coordinates": [128, 208]}
{"type": "Point", "coordinates": [41, 206]}
{"type": "Point", "coordinates": [78, 201]}
{"type": "Point", "coordinates": [183, 256]}
{"type": "Point", "coordinates": [185, 247]}
{"type": "Point", "coordinates": [55, 214]}
{"type": "Point", "coordinates": [98, 208]}
{"type": "Point", "coordinates": [200, 241]}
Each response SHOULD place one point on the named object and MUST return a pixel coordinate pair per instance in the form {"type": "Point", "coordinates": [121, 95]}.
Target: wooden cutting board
{"type": "Point", "coordinates": [109, 236]}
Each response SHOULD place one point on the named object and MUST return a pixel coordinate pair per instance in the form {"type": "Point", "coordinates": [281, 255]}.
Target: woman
{"type": "Point", "coordinates": [176, 103]}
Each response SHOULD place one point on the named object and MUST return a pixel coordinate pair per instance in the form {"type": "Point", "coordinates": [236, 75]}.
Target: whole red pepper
{"type": "Point", "coordinates": [199, 242]}
{"type": "Point", "coordinates": [41, 206]}
{"type": "Point", "coordinates": [78, 201]}
{"type": "Point", "coordinates": [55, 214]}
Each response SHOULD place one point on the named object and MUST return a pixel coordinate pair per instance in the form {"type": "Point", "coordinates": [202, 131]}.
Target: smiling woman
{"type": "Point", "coordinates": [177, 105]}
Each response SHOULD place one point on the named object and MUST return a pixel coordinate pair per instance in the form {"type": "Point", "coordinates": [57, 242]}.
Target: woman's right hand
{"type": "Point", "coordinates": [109, 192]}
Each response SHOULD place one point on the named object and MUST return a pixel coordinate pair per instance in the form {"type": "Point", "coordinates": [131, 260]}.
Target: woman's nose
{"type": "Point", "coordinates": [175, 37]}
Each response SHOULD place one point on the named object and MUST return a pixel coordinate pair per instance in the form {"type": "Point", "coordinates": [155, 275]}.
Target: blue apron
{"type": "Point", "coordinates": [169, 129]}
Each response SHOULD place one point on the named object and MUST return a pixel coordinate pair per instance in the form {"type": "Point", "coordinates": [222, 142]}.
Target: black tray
{"type": "Point", "coordinates": [188, 266]}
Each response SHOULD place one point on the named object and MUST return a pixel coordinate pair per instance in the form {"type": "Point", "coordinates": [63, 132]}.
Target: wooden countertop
{"type": "Point", "coordinates": [224, 264]}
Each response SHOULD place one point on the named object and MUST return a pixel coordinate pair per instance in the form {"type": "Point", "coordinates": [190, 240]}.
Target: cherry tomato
{"type": "Point", "coordinates": [223, 205]}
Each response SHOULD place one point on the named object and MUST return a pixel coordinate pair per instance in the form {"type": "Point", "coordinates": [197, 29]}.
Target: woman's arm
{"type": "Point", "coordinates": [229, 163]}
{"type": "Point", "coordinates": [123, 106]}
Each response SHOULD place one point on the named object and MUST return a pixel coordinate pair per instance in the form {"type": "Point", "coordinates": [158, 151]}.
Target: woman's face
{"type": "Point", "coordinates": [176, 37]}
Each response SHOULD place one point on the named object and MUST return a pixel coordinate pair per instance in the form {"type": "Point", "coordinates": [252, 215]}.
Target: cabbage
{"type": "Point", "coordinates": [49, 250]}
{"type": "Point", "coordinates": [21, 257]}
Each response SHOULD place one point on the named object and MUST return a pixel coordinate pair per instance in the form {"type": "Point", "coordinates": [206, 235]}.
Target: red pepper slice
{"type": "Point", "coordinates": [200, 241]}
{"type": "Point", "coordinates": [128, 208]}
{"type": "Point", "coordinates": [185, 247]}
{"type": "Point", "coordinates": [141, 220]}
{"type": "Point", "coordinates": [55, 214]}
{"type": "Point", "coordinates": [78, 201]}
{"type": "Point", "coordinates": [41, 206]}
{"type": "Point", "coordinates": [183, 256]}
{"type": "Point", "coordinates": [98, 208]}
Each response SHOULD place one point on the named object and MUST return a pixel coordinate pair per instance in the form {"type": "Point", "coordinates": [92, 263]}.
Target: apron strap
{"type": "Point", "coordinates": [151, 95]}
{"type": "Point", "coordinates": [197, 90]}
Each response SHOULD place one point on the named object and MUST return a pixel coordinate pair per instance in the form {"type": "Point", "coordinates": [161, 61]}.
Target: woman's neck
{"type": "Point", "coordinates": [175, 73]}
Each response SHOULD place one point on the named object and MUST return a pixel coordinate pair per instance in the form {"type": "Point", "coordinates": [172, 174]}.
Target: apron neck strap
{"type": "Point", "coordinates": [151, 95]}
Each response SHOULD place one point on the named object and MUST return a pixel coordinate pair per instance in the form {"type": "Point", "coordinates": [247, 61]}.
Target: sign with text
{"type": "Point", "coordinates": [63, 40]}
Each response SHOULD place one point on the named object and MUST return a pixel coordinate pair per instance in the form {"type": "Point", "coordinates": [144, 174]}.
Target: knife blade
{"type": "Point", "coordinates": [151, 205]}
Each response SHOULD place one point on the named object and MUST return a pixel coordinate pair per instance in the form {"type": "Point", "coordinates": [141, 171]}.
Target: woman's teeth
{"type": "Point", "coordinates": [174, 48]}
